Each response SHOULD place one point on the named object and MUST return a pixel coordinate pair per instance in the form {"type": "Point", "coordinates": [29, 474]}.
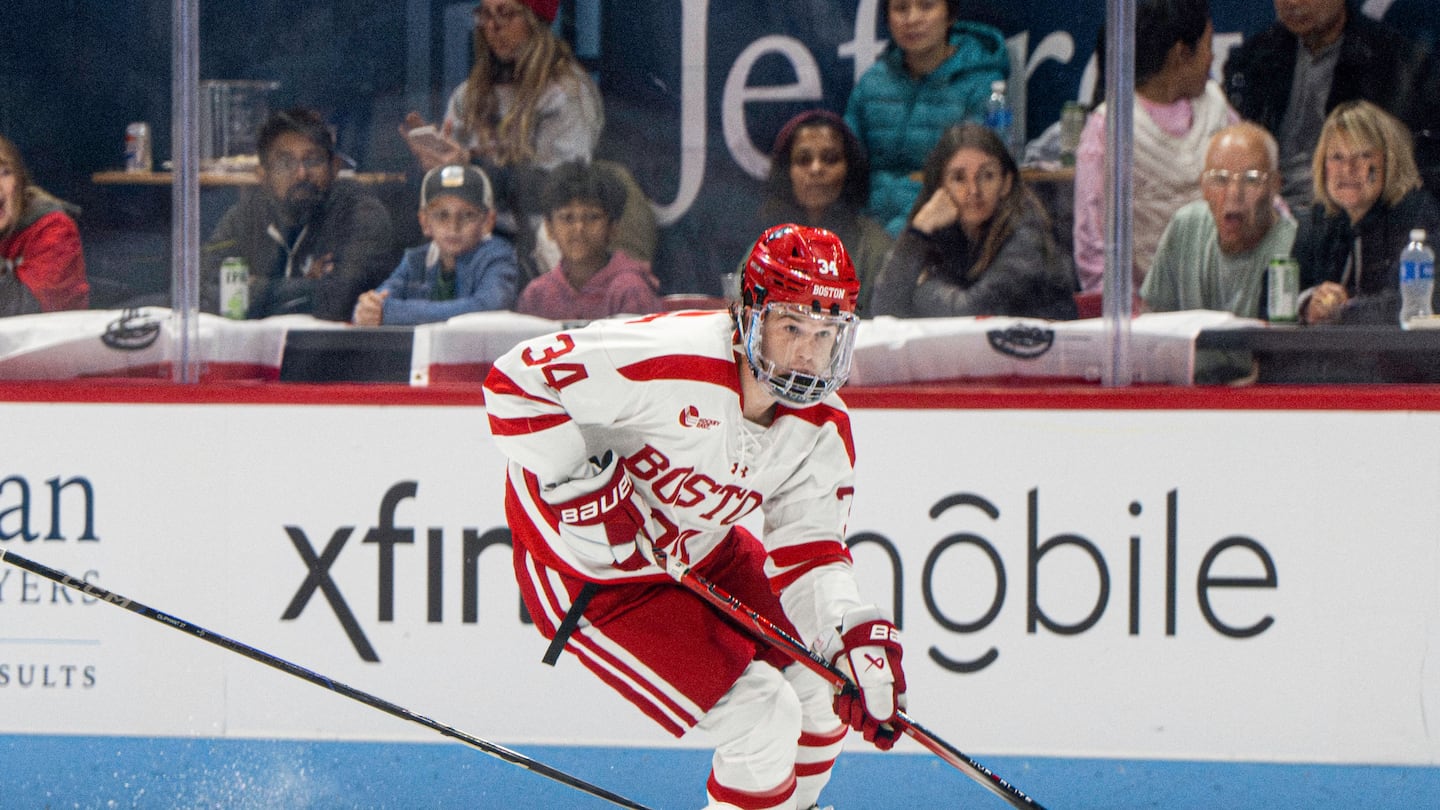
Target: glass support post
{"type": "Point", "coordinates": [1119, 187]}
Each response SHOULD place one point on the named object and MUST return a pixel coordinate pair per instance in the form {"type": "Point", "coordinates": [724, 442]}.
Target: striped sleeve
{"type": "Point", "coordinates": [527, 418]}
{"type": "Point", "coordinates": [805, 519]}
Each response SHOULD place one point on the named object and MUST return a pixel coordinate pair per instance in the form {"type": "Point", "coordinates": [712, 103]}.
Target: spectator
{"type": "Point", "coordinates": [44, 265]}
{"type": "Point", "coordinates": [1177, 109]}
{"type": "Point", "coordinates": [1318, 54]}
{"type": "Point", "coordinates": [313, 242]}
{"type": "Point", "coordinates": [1215, 251]}
{"type": "Point", "coordinates": [463, 268]}
{"type": "Point", "coordinates": [978, 242]}
{"type": "Point", "coordinates": [820, 176]}
{"type": "Point", "coordinates": [527, 106]}
{"type": "Point", "coordinates": [936, 72]}
{"type": "Point", "coordinates": [582, 205]}
{"type": "Point", "coordinates": [1368, 197]}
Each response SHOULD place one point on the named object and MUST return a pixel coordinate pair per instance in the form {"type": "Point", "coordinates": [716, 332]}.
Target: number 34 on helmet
{"type": "Point", "coordinates": [797, 313]}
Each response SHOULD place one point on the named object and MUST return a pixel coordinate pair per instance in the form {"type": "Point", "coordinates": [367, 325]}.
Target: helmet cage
{"type": "Point", "coordinates": [795, 332]}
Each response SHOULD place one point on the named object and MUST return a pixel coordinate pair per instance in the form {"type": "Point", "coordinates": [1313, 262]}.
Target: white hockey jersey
{"type": "Point", "coordinates": [663, 391]}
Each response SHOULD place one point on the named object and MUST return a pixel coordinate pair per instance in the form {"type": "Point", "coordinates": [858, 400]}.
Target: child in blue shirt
{"type": "Point", "coordinates": [463, 268]}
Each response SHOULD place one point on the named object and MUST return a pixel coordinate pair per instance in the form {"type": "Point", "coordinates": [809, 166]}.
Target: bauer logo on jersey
{"type": "Point", "coordinates": [690, 417]}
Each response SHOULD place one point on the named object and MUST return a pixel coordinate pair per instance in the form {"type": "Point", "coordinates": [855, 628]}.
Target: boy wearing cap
{"type": "Point", "coordinates": [463, 268]}
{"type": "Point", "coordinates": [582, 203]}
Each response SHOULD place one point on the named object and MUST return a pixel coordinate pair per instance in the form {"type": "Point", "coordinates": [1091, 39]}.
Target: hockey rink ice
{"type": "Point", "coordinates": [125, 772]}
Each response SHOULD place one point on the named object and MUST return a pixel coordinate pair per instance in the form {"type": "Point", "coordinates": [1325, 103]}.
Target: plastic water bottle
{"type": "Point", "coordinates": [999, 116]}
{"type": "Point", "coordinates": [1417, 278]}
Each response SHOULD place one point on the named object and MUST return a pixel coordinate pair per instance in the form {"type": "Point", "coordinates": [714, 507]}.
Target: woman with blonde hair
{"type": "Point", "coordinates": [978, 241]}
{"type": "Point", "coordinates": [42, 266]}
{"type": "Point", "coordinates": [526, 107]}
{"type": "Point", "coordinates": [1367, 200]}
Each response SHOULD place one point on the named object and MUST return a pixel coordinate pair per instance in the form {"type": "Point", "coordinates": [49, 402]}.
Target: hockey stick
{"type": "Point", "coordinates": [281, 664]}
{"type": "Point", "coordinates": [782, 640]}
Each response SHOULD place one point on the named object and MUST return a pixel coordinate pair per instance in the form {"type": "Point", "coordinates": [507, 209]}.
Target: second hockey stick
{"type": "Point", "coordinates": [175, 623]}
{"type": "Point", "coordinates": [779, 638]}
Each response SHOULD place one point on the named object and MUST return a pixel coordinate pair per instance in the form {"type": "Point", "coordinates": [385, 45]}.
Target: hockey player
{"type": "Point", "coordinates": [665, 432]}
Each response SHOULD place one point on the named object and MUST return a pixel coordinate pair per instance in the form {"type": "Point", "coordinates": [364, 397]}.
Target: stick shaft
{"type": "Point", "coordinates": [779, 638]}
{"type": "Point", "coordinates": [175, 623]}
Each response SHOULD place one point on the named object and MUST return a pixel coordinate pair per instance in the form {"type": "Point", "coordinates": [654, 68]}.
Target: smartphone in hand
{"type": "Point", "coordinates": [427, 137]}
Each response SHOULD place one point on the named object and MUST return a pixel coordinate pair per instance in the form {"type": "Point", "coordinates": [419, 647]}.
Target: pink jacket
{"type": "Point", "coordinates": [625, 286]}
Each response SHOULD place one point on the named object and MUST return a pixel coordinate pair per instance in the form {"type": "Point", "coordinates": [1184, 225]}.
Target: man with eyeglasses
{"type": "Point", "coordinates": [313, 242]}
{"type": "Point", "coordinates": [1214, 252]}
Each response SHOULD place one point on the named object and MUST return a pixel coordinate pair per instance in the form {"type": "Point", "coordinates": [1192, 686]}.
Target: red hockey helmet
{"type": "Point", "coordinates": [797, 315]}
{"type": "Point", "coordinates": [796, 264]}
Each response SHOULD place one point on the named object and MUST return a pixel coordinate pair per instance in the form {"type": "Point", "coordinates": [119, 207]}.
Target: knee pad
{"type": "Point", "coordinates": [755, 726]}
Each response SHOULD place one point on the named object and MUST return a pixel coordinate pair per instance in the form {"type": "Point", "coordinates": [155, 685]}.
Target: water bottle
{"type": "Point", "coordinates": [999, 116]}
{"type": "Point", "coordinates": [1417, 278]}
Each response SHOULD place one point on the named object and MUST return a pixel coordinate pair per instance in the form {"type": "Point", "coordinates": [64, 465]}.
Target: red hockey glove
{"type": "Point", "coordinates": [608, 523]}
{"type": "Point", "coordinates": [870, 655]}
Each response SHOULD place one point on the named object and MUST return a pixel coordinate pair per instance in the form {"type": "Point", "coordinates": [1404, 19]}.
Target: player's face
{"type": "Point", "coordinates": [582, 232]}
{"type": "Point", "coordinates": [455, 226]}
{"type": "Point", "coordinates": [1354, 174]}
{"type": "Point", "coordinates": [504, 26]}
{"type": "Point", "coordinates": [796, 341]}
{"type": "Point", "coordinates": [1239, 187]}
{"type": "Point", "coordinates": [976, 182]}
{"type": "Point", "coordinates": [919, 26]}
{"type": "Point", "coordinates": [9, 199]}
{"type": "Point", "coordinates": [817, 168]}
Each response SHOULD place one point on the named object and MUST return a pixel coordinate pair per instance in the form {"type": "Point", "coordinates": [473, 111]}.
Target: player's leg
{"type": "Point", "coordinates": [754, 726]}
{"type": "Point", "coordinates": [822, 735]}
{"type": "Point", "coordinates": [641, 640]}
{"type": "Point", "coordinates": [740, 571]}
{"type": "Point", "coordinates": [684, 665]}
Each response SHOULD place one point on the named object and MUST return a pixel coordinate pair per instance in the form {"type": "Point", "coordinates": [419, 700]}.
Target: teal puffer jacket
{"type": "Point", "coordinates": [899, 117]}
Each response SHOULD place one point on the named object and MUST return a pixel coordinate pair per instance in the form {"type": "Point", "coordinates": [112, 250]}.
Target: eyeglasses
{"type": "Point", "coordinates": [503, 15]}
{"type": "Point", "coordinates": [572, 218]}
{"type": "Point", "coordinates": [1251, 180]}
{"type": "Point", "coordinates": [462, 218]}
{"type": "Point", "coordinates": [289, 164]}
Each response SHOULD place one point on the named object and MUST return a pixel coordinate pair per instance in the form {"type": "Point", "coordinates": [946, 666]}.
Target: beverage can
{"type": "Point", "coordinates": [137, 147]}
{"type": "Point", "coordinates": [1072, 124]}
{"type": "Point", "coordinates": [1283, 282]}
{"type": "Point", "coordinates": [234, 287]}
